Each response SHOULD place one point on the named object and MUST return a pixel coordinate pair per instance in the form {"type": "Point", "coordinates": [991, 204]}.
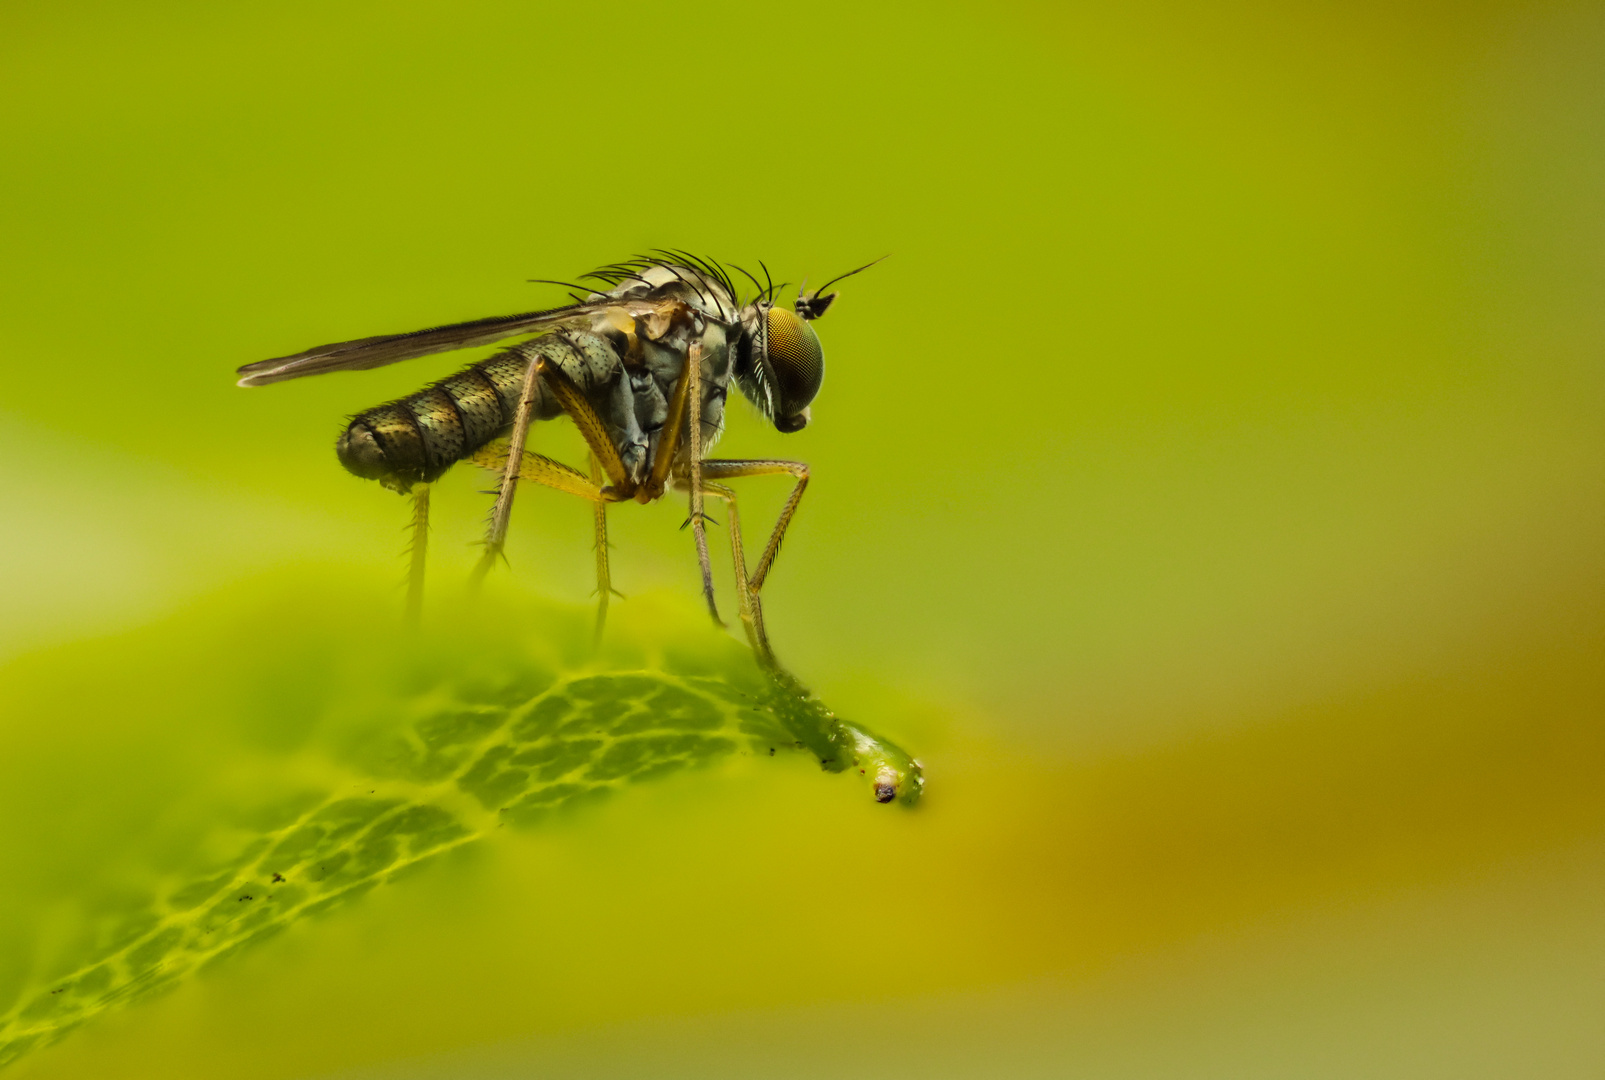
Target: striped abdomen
{"type": "Point", "coordinates": [416, 439]}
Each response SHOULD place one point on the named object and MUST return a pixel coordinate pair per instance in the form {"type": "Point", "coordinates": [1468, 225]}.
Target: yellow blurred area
{"type": "Point", "coordinates": [1208, 489]}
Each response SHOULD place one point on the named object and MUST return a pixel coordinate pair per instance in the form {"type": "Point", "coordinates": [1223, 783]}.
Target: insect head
{"type": "Point", "coordinates": [779, 361]}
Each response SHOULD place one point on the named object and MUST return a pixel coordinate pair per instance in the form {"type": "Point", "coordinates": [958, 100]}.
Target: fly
{"type": "Point", "coordinates": [641, 363]}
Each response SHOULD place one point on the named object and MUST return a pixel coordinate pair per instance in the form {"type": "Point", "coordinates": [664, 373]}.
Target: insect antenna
{"type": "Point", "coordinates": [812, 305]}
{"type": "Point", "coordinates": [850, 273]}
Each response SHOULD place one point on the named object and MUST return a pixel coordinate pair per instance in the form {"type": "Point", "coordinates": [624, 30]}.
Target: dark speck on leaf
{"type": "Point", "coordinates": [885, 792]}
{"type": "Point", "coordinates": [771, 751]}
{"type": "Point", "coordinates": [247, 897]}
{"type": "Point", "coordinates": [278, 877]}
{"type": "Point", "coordinates": [58, 989]}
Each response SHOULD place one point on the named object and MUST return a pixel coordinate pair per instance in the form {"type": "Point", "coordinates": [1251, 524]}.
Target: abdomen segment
{"type": "Point", "coordinates": [416, 439]}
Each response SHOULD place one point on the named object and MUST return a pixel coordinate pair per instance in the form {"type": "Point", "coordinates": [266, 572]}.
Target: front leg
{"type": "Point", "coordinates": [727, 468]}
{"type": "Point", "coordinates": [693, 380]}
{"type": "Point", "coordinates": [748, 605]}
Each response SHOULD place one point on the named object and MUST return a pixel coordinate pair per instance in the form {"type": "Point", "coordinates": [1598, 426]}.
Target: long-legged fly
{"type": "Point", "coordinates": [641, 362]}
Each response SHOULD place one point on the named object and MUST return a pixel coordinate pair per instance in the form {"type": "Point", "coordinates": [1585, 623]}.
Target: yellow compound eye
{"type": "Point", "coordinates": [798, 364]}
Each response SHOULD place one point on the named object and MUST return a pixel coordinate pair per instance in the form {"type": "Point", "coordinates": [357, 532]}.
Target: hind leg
{"type": "Point", "coordinates": [496, 535]}
{"type": "Point", "coordinates": [559, 477]}
{"type": "Point", "coordinates": [417, 551]}
{"type": "Point", "coordinates": [515, 462]}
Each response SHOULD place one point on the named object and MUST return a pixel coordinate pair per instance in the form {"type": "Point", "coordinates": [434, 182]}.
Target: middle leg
{"type": "Point", "coordinates": [604, 577]}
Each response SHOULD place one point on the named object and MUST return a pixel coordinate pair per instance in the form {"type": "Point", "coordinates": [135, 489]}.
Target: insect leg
{"type": "Point", "coordinates": [725, 469]}
{"type": "Point", "coordinates": [554, 474]}
{"type": "Point", "coordinates": [749, 606]}
{"type": "Point", "coordinates": [496, 536]}
{"type": "Point", "coordinates": [417, 550]}
{"type": "Point", "coordinates": [693, 378]}
{"type": "Point", "coordinates": [541, 470]}
{"type": "Point", "coordinates": [591, 427]}
{"type": "Point", "coordinates": [604, 578]}
{"type": "Point", "coordinates": [669, 441]}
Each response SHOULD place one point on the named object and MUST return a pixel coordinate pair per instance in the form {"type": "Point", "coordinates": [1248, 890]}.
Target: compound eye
{"type": "Point", "coordinates": [798, 364]}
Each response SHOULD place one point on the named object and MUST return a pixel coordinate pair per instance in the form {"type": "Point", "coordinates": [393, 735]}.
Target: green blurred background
{"type": "Point", "coordinates": [1209, 488]}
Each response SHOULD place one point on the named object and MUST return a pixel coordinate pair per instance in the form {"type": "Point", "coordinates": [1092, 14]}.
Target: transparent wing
{"type": "Point", "coordinates": [372, 352]}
